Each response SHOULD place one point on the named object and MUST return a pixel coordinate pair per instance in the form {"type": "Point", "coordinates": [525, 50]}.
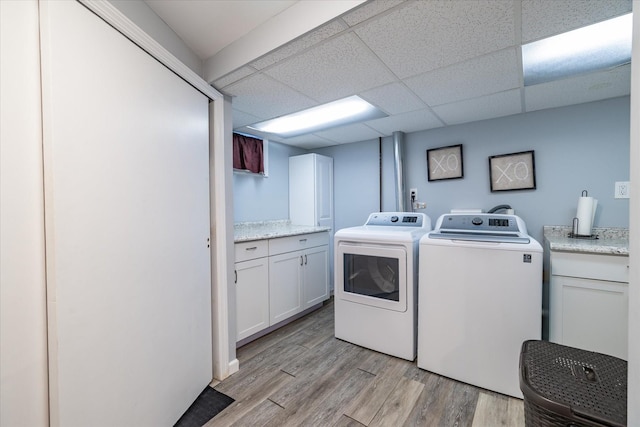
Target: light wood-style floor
{"type": "Point", "coordinates": [301, 375]}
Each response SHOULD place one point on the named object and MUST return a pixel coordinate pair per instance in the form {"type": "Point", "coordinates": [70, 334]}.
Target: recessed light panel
{"type": "Point", "coordinates": [337, 113]}
{"type": "Point", "coordinates": [596, 47]}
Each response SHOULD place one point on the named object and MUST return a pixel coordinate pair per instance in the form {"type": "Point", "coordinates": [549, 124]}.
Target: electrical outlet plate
{"type": "Point", "coordinates": [621, 190]}
{"type": "Point", "coordinates": [413, 193]}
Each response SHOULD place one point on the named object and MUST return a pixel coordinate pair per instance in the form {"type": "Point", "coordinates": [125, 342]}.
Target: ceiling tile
{"type": "Point", "coordinates": [369, 10]}
{"type": "Point", "coordinates": [335, 69]}
{"type": "Point", "coordinates": [486, 107]}
{"type": "Point", "coordinates": [580, 89]}
{"type": "Point", "coordinates": [312, 145]}
{"type": "Point", "coordinates": [264, 97]}
{"type": "Point", "coordinates": [296, 46]}
{"type": "Point", "coordinates": [458, 56]}
{"type": "Point", "coordinates": [544, 18]}
{"type": "Point", "coordinates": [426, 35]}
{"type": "Point", "coordinates": [407, 122]}
{"type": "Point", "coordinates": [480, 76]}
{"type": "Point", "coordinates": [241, 119]}
{"type": "Point", "coordinates": [350, 133]}
{"type": "Point", "coordinates": [307, 141]}
{"type": "Point", "coordinates": [233, 77]}
{"type": "Point", "coordinates": [393, 98]}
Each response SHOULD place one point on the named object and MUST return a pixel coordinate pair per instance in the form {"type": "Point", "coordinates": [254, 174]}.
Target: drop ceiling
{"type": "Point", "coordinates": [426, 63]}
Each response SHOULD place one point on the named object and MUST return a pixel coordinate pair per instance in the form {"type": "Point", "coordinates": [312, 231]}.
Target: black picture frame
{"type": "Point", "coordinates": [513, 171]}
{"type": "Point", "coordinates": [445, 163]}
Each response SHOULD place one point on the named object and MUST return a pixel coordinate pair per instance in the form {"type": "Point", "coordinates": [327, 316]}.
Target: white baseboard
{"type": "Point", "coordinates": [234, 366]}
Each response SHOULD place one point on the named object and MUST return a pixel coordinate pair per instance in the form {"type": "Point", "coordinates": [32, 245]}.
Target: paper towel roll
{"type": "Point", "coordinates": [586, 213]}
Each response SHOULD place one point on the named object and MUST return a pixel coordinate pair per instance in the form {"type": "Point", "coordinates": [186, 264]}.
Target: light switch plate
{"type": "Point", "coordinates": [621, 190]}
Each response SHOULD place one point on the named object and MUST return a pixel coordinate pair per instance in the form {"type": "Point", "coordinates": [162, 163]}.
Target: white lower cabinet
{"type": "Point", "coordinates": [252, 297]}
{"type": "Point", "coordinates": [298, 273]}
{"type": "Point", "coordinates": [291, 275]}
{"type": "Point", "coordinates": [315, 276]}
{"type": "Point", "coordinates": [252, 288]}
{"type": "Point", "coordinates": [589, 302]}
{"type": "Point", "coordinates": [285, 279]}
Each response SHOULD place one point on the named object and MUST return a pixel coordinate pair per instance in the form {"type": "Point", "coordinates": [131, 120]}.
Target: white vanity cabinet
{"type": "Point", "coordinates": [588, 302]}
{"type": "Point", "coordinates": [279, 278]}
{"type": "Point", "coordinates": [298, 274]}
{"type": "Point", "coordinates": [252, 287]}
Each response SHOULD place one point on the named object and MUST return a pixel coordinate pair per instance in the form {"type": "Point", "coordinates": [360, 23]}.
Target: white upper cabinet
{"type": "Point", "coordinates": [311, 190]}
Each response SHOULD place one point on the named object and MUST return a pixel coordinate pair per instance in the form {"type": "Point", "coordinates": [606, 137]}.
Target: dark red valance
{"type": "Point", "coordinates": [247, 153]}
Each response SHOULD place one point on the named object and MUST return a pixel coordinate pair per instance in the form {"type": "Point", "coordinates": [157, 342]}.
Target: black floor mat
{"type": "Point", "coordinates": [207, 405]}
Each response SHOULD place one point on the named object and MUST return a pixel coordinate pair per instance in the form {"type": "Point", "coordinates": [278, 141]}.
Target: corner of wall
{"type": "Point", "coordinates": [144, 17]}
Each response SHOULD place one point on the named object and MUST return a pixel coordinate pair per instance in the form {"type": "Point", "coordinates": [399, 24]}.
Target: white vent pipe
{"type": "Point", "coordinates": [398, 166]}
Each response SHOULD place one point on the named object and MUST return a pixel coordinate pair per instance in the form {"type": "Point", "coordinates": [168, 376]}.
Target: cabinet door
{"type": "Point", "coordinates": [324, 191]}
{"type": "Point", "coordinates": [285, 278]}
{"type": "Point", "coordinates": [589, 314]}
{"type": "Point", "coordinates": [252, 297]}
{"type": "Point", "coordinates": [316, 278]}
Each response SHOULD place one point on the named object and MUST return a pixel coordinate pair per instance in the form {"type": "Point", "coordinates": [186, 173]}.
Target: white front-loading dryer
{"type": "Point", "coordinates": [376, 278]}
{"type": "Point", "coordinates": [480, 297]}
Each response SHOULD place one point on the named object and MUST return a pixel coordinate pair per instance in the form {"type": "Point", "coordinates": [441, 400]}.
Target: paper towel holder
{"type": "Point", "coordinates": [574, 229]}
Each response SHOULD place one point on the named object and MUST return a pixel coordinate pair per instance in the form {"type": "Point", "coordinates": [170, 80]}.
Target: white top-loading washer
{"type": "Point", "coordinates": [480, 297]}
{"type": "Point", "coordinates": [376, 281]}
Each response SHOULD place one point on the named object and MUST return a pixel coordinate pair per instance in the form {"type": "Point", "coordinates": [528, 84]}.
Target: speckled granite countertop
{"type": "Point", "coordinates": [611, 241]}
{"type": "Point", "coordinates": [246, 231]}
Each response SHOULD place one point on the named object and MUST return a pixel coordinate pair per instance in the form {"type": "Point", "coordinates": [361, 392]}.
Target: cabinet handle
{"type": "Point", "coordinates": [303, 240]}
{"type": "Point", "coordinates": [305, 260]}
{"type": "Point", "coordinates": [252, 248]}
{"type": "Point", "coordinates": [235, 272]}
{"type": "Point", "coordinates": [300, 259]}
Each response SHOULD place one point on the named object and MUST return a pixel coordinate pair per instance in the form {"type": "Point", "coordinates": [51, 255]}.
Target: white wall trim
{"type": "Point", "coordinates": [633, 380]}
{"type": "Point", "coordinates": [111, 15]}
{"type": "Point", "coordinates": [222, 255]}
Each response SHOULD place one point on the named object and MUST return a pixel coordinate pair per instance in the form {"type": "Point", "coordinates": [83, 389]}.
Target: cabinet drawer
{"type": "Point", "coordinates": [294, 243]}
{"type": "Point", "coordinates": [251, 250]}
{"type": "Point", "coordinates": [590, 266]}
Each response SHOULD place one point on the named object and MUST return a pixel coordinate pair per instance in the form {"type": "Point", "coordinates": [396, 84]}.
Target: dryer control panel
{"type": "Point", "coordinates": [398, 219]}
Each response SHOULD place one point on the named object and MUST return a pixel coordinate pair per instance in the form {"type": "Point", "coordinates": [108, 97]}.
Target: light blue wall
{"type": "Point", "coordinates": [256, 198]}
{"type": "Point", "coordinates": [583, 147]}
{"type": "Point", "coordinates": [356, 184]}
{"type": "Point", "coordinates": [576, 148]}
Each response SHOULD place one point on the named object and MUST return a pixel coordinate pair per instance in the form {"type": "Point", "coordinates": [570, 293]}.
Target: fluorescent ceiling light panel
{"type": "Point", "coordinates": [606, 44]}
{"type": "Point", "coordinates": [337, 113]}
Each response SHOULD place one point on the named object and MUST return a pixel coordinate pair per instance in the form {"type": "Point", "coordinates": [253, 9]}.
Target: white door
{"type": "Point", "coordinates": [127, 222]}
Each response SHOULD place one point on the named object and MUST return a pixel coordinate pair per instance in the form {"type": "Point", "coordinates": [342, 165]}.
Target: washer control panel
{"type": "Point", "coordinates": [481, 223]}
